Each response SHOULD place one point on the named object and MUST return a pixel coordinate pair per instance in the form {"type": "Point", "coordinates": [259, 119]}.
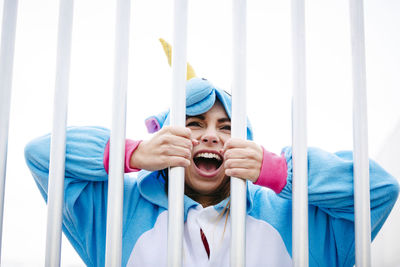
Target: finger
{"type": "Point", "coordinates": [176, 141]}
{"type": "Point", "coordinates": [178, 162]}
{"type": "Point", "coordinates": [177, 151]}
{"type": "Point", "coordinates": [241, 153]}
{"type": "Point", "coordinates": [236, 143]}
{"type": "Point", "coordinates": [195, 142]}
{"type": "Point", "coordinates": [179, 131]}
{"type": "Point", "coordinates": [240, 143]}
{"type": "Point", "coordinates": [241, 173]}
{"type": "Point", "coordinates": [241, 164]}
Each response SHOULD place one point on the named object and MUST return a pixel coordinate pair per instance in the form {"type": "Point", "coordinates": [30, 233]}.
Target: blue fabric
{"type": "Point", "coordinates": [331, 212]}
{"type": "Point", "coordinates": [200, 97]}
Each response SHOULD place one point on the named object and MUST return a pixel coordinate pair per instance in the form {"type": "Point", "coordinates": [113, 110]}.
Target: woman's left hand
{"type": "Point", "coordinates": [242, 159]}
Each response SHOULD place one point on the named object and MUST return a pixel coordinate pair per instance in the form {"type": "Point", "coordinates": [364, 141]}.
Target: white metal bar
{"type": "Point", "coordinates": [238, 186]}
{"type": "Point", "coordinates": [299, 139]}
{"type": "Point", "coordinates": [9, 22]}
{"type": "Point", "coordinates": [57, 149]}
{"type": "Point", "coordinates": [117, 138]}
{"type": "Point", "coordinates": [360, 137]}
{"type": "Point", "coordinates": [176, 181]}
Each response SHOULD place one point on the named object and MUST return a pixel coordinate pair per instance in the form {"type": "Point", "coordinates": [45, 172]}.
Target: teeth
{"type": "Point", "coordinates": [208, 156]}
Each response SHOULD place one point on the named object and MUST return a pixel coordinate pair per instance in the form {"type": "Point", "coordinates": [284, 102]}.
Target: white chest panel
{"type": "Point", "coordinates": [264, 245]}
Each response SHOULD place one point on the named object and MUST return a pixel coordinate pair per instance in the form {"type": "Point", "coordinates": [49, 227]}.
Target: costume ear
{"type": "Point", "coordinates": [155, 123]}
{"type": "Point", "coordinates": [152, 124]}
{"type": "Point", "coordinates": [168, 52]}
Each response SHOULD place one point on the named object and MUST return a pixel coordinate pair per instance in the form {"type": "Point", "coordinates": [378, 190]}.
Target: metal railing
{"type": "Point", "coordinates": [176, 186]}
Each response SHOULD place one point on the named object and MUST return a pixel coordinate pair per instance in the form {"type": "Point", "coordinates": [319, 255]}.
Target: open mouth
{"type": "Point", "coordinates": [208, 163]}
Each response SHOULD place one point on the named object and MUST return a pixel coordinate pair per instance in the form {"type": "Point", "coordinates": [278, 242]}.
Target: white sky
{"type": "Point", "coordinates": [209, 51]}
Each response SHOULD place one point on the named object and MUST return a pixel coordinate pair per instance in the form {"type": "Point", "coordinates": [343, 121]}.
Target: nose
{"type": "Point", "coordinates": [210, 137]}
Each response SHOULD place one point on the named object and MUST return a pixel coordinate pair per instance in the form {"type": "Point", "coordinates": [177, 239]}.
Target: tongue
{"type": "Point", "coordinates": [207, 165]}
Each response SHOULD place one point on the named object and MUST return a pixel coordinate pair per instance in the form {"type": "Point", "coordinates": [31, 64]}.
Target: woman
{"type": "Point", "coordinates": [210, 156]}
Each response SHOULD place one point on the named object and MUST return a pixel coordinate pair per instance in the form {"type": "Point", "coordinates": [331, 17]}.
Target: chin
{"type": "Point", "coordinates": [207, 186]}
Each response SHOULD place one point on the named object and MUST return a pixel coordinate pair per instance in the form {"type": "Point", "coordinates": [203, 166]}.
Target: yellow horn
{"type": "Point", "coordinates": [168, 52]}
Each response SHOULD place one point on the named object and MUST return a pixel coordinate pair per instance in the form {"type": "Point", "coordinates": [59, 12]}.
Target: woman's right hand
{"type": "Point", "coordinates": [170, 147]}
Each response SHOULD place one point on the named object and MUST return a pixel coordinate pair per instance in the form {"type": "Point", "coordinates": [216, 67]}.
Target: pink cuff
{"type": "Point", "coordinates": [273, 171]}
{"type": "Point", "coordinates": [130, 147]}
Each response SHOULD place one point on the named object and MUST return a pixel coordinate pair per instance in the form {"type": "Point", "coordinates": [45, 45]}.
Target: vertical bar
{"type": "Point", "coordinates": [117, 137]}
{"type": "Point", "coordinates": [299, 139]}
{"type": "Point", "coordinates": [57, 148]}
{"type": "Point", "coordinates": [6, 67]}
{"type": "Point", "coordinates": [360, 137]}
{"type": "Point", "coordinates": [238, 186]}
{"type": "Point", "coordinates": [178, 117]}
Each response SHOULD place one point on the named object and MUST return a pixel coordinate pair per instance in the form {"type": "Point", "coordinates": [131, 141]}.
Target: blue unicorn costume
{"type": "Point", "coordinates": [145, 211]}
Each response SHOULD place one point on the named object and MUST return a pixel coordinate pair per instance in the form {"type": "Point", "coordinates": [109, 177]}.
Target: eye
{"type": "Point", "coordinates": [226, 127]}
{"type": "Point", "coordinates": [193, 124]}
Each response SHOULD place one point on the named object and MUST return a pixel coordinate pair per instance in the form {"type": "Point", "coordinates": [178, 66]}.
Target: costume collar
{"type": "Point", "coordinates": [151, 187]}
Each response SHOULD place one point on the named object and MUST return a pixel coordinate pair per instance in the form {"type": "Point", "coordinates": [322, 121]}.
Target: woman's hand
{"type": "Point", "coordinates": [170, 147]}
{"type": "Point", "coordinates": [243, 159]}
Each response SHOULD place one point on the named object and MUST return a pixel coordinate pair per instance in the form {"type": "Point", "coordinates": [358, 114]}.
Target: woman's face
{"type": "Point", "coordinates": [212, 129]}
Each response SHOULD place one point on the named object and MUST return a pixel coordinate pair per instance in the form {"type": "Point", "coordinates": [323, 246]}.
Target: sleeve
{"type": "Point", "coordinates": [273, 171]}
{"type": "Point", "coordinates": [85, 185]}
{"type": "Point", "coordinates": [130, 147]}
{"type": "Point", "coordinates": [331, 203]}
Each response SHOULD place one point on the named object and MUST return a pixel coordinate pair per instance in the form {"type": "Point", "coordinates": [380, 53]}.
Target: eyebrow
{"type": "Point", "coordinates": [201, 117]}
{"type": "Point", "coordinates": [224, 120]}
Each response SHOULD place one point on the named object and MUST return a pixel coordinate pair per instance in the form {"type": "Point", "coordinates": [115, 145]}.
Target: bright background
{"type": "Point", "coordinates": [209, 51]}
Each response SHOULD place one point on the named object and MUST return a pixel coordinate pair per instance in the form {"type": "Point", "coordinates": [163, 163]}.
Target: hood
{"type": "Point", "coordinates": [200, 97]}
{"type": "Point", "coordinates": [151, 187]}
